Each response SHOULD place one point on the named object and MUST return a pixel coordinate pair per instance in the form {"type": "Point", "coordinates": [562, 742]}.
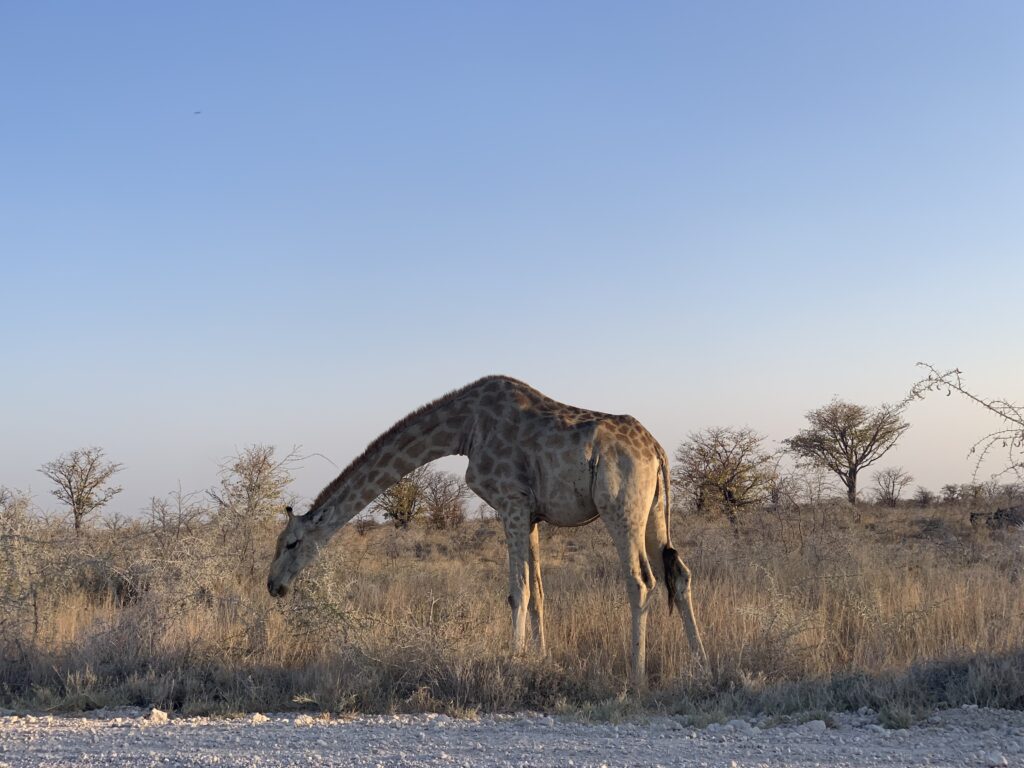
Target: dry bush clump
{"type": "Point", "coordinates": [808, 606]}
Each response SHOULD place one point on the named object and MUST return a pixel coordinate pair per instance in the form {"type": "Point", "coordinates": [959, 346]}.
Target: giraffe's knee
{"type": "Point", "coordinates": [536, 597]}
{"type": "Point", "coordinates": [684, 576]}
{"type": "Point", "coordinates": [511, 602]}
{"type": "Point", "coordinates": [646, 574]}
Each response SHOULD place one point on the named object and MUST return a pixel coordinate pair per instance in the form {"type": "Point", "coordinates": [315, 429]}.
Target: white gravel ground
{"type": "Point", "coordinates": [967, 736]}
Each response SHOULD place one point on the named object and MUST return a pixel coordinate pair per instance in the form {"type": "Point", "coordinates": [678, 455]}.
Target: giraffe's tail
{"type": "Point", "coordinates": [665, 498]}
{"type": "Point", "coordinates": [675, 571]}
{"type": "Point", "coordinates": [668, 554]}
{"type": "Point", "coordinates": [677, 576]}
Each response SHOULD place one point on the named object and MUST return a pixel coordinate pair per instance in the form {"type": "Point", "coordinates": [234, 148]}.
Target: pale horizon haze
{"type": "Point", "coordinates": [235, 223]}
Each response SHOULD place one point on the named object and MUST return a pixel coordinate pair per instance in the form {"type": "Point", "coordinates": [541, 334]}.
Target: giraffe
{"type": "Point", "coordinates": [533, 460]}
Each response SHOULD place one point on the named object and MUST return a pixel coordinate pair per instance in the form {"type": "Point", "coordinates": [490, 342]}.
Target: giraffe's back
{"type": "Point", "coordinates": [560, 460]}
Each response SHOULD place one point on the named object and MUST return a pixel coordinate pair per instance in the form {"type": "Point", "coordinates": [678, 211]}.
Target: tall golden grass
{"type": "Point", "coordinates": [900, 610]}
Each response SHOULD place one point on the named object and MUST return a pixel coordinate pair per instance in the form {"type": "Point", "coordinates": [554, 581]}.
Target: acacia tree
{"type": "Point", "coordinates": [889, 484]}
{"type": "Point", "coordinates": [82, 477]}
{"type": "Point", "coordinates": [724, 467]}
{"type": "Point", "coordinates": [846, 438]}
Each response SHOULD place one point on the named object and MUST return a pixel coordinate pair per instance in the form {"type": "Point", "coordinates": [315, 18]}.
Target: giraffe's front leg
{"type": "Point", "coordinates": [536, 592]}
{"type": "Point", "coordinates": [518, 539]}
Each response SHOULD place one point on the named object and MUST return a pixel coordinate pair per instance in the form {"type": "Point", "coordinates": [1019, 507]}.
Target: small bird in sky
{"type": "Point", "coordinates": [198, 112]}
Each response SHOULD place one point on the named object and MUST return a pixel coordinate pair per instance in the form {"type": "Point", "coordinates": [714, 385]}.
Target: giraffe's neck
{"type": "Point", "coordinates": [439, 430]}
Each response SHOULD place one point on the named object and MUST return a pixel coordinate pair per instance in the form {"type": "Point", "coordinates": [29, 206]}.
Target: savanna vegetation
{"type": "Point", "coordinates": [806, 601]}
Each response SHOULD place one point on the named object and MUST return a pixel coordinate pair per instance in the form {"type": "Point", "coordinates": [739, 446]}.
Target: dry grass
{"type": "Point", "coordinates": [900, 610]}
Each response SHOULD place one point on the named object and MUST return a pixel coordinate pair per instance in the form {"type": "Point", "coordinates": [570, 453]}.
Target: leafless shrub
{"type": "Point", "coordinates": [363, 525]}
{"type": "Point", "coordinates": [923, 497]}
{"type": "Point", "coordinates": [1011, 494]}
{"type": "Point", "coordinates": [402, 503]}
{"type": "Point", "coordinates": [176, 517]}
{"type": "Point", "coordinates": [82, 478]}
{"type": "Point", "coordinates": [444, 498]}
{"type": "Point", "coordinates": [950, 493]}
{"type": "Point", "coordinates": [253, 484]}
{"type": "Point", "coordinates": [16, 571]}
{"type": "Point", "coordinates": [252, 492]}
{"type": "Point", "coordinates": [724, 468]}
{"type": "Point", "coordinates": [890, 484]}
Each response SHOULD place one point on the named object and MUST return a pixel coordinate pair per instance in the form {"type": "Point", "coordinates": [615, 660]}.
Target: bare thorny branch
{"type": "Point", "coordinates": [1010, 436]}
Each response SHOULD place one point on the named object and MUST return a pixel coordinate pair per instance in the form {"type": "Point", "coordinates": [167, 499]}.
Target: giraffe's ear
{"type": "Point", "coordinates": [290, 512]}
{"type": "Point", "coordinates": [316, 516]}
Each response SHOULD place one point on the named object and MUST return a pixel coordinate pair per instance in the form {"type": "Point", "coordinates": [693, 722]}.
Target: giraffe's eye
{"type": "Point", "coordinates": [293, 545]}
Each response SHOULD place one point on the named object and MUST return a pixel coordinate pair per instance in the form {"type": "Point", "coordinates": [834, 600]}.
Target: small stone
{"type": "Point", "coordinates": [156, 716]}
{"type": "Point", "coordinates": [815, 726]}
{"type": "Point", "coordinates": [303, 720]}
{"type": "Point", "coordinates": [994, 759]}
{"type": "Point", "coordinates": [258, 718]}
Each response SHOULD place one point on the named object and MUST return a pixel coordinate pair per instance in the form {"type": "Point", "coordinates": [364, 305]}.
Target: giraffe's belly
{"type": "Point", "coordinates": [566, 498]}
{"type": "Point", "coordinates": [566, 518]}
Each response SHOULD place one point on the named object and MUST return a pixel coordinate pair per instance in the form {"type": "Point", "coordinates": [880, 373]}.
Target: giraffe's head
{"type": "Point", "coordinates": [298, 543]}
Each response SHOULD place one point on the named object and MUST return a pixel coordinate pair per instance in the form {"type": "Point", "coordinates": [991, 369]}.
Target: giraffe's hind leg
{"type": "Point", "coordinates": [677, 579]}
{"type": "Point", "coordinates": [673, 573]}
{"type": "Point", "coordinates": [623, 488]}
{"type": "Point", "coordinates": [640, 582]}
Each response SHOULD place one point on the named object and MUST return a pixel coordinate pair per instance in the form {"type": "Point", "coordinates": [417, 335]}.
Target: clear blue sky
{"type": "Point", "coordinates": [223, 223]}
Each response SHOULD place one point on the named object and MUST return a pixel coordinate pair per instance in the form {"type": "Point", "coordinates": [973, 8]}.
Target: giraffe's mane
{"type": "Point", "coordinates": [395, 428]}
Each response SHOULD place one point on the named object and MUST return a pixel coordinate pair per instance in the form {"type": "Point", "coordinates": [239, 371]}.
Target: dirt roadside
{"type": "Point", "coordinates": [961, 737]}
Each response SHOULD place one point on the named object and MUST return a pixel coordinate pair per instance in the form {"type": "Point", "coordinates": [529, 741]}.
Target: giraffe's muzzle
{"type": "Point", "coordinates": [276, 590]}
